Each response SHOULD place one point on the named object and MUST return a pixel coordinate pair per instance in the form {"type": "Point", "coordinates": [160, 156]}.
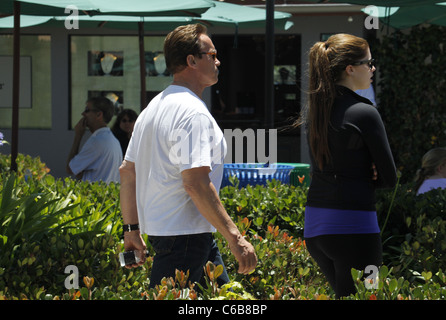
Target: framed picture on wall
{"type": "Point", "coordinates": [109, 66]}
{"type": "Point", "coordinates": [105, 63]}
{"type": "Point", "coordinates": [156, 64]}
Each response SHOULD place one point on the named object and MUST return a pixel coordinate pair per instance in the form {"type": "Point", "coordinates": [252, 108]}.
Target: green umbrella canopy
{"type": "Point", "coordinates": [401, 14]}
{"type": "Point", "coordinates": [381, 3]}
{"type": "Point", "coordinates": [406, 17]}
{"type": "Point", "coordinates": [227, 14]}
{"type": "Point", "coordinates": [221, 14]}
{"type": "Point", "coordinates": [93, 7]}
{"type": "Point", "coordinates": [25, 21]}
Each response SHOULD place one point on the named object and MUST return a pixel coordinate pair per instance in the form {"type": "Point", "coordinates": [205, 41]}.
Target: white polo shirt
{"type": "Point", "coordinates": [175, 132]}
{"type": "Point", "coordinates": [99, 158]}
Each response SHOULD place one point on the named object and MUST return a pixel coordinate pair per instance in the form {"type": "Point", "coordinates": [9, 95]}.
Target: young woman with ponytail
{"type": "Point", "coordinates": [432, 174]}
{"type": "Point", "coordinates": [350, 157]}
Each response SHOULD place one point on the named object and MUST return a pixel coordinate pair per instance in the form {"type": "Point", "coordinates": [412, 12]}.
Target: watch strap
{"type": "Point", "coordinates": [130, 227]}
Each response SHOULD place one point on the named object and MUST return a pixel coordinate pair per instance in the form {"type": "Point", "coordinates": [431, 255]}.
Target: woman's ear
{"type": "Point", "coordinates": [349, 69]}
{"type": "Point", "coordinates": [441, 169]}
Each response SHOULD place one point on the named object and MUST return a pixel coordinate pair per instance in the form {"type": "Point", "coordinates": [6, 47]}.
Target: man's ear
{"type": "Point", "coordinates": [99, 115]}
{"type": "Point", "coordinates": [190, 60]}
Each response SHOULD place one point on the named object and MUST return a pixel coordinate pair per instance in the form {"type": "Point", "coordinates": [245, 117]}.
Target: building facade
{"type": "Point", "coordinates": [61, 68]}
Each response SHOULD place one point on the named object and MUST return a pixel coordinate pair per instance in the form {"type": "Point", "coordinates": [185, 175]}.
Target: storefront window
{"type": "Point", "coordinates": [110, 66]}
{"type": "Point", "coordinates": [35, 81]}
{"type": "Point", "coordinates": [238, 99]}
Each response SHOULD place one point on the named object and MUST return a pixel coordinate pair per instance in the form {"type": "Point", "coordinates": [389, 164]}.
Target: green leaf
{"type": "Point", "coordinates": [426, 275]}
{"type": "Point", "coordinates": [383, 272]}
{"type": "Point", "coordinates": [393, 285]}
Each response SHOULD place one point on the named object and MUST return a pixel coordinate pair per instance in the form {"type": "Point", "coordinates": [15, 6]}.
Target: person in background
{"type": "Point", "coordinates": [169, 188]}
{"type": "Point", "coordinates": [123, 127]}
{"type": "Point", "coordinates": [100, 157]}
{"type": "Point", "coordinates": [350, 157]}
{"type": "Point", "coordinates": [368, 93]}
{"type": "Point", "coordinates": [432, 174]}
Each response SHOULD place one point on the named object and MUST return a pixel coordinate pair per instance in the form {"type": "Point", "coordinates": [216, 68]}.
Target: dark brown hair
{"type": "Point", "coordinates": [327, 62]}
{"type": "Point", "coordinates": [180, 43]}
{"type": "Point", "coordinates": [130, 113]}
{"type": "Point", "coordinates": [104, 105]}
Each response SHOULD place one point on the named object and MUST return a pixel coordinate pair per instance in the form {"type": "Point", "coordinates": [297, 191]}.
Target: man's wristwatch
{"type": "Point", "coordinates": [130, 227]}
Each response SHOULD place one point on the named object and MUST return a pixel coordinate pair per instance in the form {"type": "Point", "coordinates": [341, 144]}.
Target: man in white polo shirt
{"type": "Point", "coordinates": [100, 157]}
{"type": "Point", "coordinates": [173, 168]}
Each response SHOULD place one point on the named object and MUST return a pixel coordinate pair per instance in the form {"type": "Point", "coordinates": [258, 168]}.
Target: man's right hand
{"type": "Point", "coordinates": [245, 254]}
{"type": "Point", "coordinates": [81, 125]}
{"type": "Point", "coordinates": [133, 241]}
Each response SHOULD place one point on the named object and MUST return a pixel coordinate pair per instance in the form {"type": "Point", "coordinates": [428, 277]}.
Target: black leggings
{"type": "Point", "coordinates": [337, 254]}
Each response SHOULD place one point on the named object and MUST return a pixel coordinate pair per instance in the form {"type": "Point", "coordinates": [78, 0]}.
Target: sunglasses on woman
{"type": "Point", "coordinates": [370, 63]}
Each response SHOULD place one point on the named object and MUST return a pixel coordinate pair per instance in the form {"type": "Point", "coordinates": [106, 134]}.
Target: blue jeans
{"type": "Point", "coordinates": [184, 252]}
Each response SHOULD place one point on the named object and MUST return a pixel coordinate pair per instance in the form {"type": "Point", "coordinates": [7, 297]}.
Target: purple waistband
{"type": "Point", "coordinates": [319, 221]}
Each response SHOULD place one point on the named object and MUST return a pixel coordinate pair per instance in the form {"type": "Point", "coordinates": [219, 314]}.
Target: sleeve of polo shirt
{"type": "Point", "coordinates": [193, 146]}
{"type": "Point", "coordinates": [86, 157]}
{"type": "Point", "coordinates": [130, 154]}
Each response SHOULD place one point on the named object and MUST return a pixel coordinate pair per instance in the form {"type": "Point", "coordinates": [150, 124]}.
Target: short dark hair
{"type": "Point", "coordinates": [105, 106]}
{"type": "Point", "coordinates": [180, 43]}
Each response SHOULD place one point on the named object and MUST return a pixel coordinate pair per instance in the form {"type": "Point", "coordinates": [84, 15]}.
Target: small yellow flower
{"type": "Point", "coordinates": [88, 282]}
{"type": "Point", "coordinates": [322, 297]}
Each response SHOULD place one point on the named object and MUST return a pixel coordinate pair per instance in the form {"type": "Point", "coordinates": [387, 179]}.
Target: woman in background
{"type": "Point", "coordinates": [123, 127]}
{"type": "Point", "coordinates": [432, 174]}
{"type": "Point", "coordinates": [350, 157]}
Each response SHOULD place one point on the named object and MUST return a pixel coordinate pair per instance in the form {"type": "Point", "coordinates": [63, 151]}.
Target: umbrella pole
{"type": "Point", "coordinates": [142, 64]}
{"type": "Point", "coordinates": [15, 86]}
{"type": "Point", "coordinates": [269, 65]}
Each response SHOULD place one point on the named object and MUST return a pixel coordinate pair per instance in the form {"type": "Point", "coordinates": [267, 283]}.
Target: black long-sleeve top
{"type": "Point", "coordinates": [357, 138]}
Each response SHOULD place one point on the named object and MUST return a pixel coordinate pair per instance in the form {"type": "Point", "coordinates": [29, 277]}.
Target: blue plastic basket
{"type": "Point", "coordinates": [256, 173]}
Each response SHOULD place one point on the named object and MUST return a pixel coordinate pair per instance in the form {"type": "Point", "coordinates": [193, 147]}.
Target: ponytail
{"type": "Point", "coordinates": [321, 98]}
{"type": "Point", "coordinates": [327, 62]}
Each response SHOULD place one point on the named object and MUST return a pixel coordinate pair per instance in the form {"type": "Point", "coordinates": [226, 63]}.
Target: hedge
{"type": "Point", "coordinates": [50, 224]}
{"type": "Point", "coordinates": [412, 93]}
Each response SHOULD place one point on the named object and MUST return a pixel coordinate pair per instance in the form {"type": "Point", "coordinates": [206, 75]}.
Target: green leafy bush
{"type": "Point", "coordinates": [412, 93]}
{"type": "Point", "coordinates": [390, 287]}
{"type": "Point", "coordinates": [26, 166]}
{"type": "Point", "coordinates": [415, 236]}
{"type": "Point", "coordinates": [277, 204]}
{"type": "Point", "coordinates": [47, 224]}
